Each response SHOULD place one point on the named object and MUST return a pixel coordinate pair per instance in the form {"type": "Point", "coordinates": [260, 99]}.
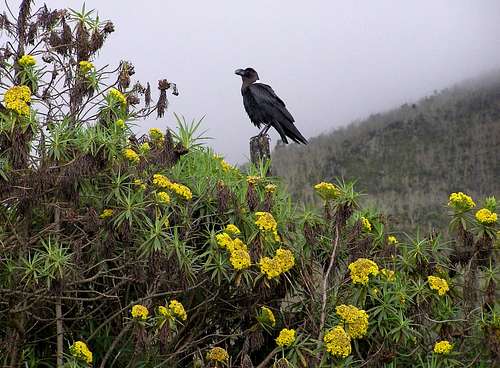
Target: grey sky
{"type": "Point", "coordinates": [331, 61]}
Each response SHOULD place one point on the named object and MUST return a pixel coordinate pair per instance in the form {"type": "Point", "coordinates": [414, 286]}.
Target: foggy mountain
{"type": "Point", "coordinates": [409, 159]}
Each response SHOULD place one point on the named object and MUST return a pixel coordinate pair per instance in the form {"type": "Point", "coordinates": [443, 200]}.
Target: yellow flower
{"type": "Point", "coordinates": [224, 240]}
{"type": "Point", "coordinates": [81, 351]}
{"type": "Point", "coordinates": [140, 312]}
{"type": "Point", "coordinates": [271, 188]}
{"type": "Point", "coordinates": [26, 61]}
{"type": "Point", "coordinates": [389, 274]}
{"type": "Point", "coordinates": [181, 190]}
{"type": "Point", "coordinates": [225, 166]}
{"type": "Point", "coordinates": [116, 95]}
{"type": "Point", "coordinates": [177, 309]}
{"type": "Point", "coordinates": [139, 183]}
{"type": "Point", "coordinates": [286, 337]}
{"type": "Point", "coordinates": [218, 354]}
{"type": "Point", "coordinates": [156, 135]}
{"type": "Point", "coordinates": [163, 311]}
{"type": "Point", "coordinates": [266, 223]}
{"type": "Point", "coordinates": [120, 123]}
{"type": "Point", "coordinates": [268, 316]}
{"type": "Point", "coordinates": [443, 347]}
{"type": "Point", "coordinates": [163, 197]}
{"type": "Point", "coordinates": [17, 98]}
{"type": "Point", "coordinates": [282, 262]}
{"type": "Point", "coordinates": [240, 259]}
{"type": "Point", "coordinates": [108, 212]}
{"type": "Point", "coordinates": [365, 223]}
{"type": "Point", "coordinates": [252, 180]}
{"type": "Point", "coordinates": [356, 319]}
{"type": "Point", "coordinates": [145, 148]}
{"type": "Point", "coordinates": [131, 155]}
{"type": "Point", "coordinates": [361, 269]}
{"type": "Point", "coordinates": [232, 230]}
{"type": "Point", "coordinates": [438, 284]}
{"type": "Point", "coordinates": [392, 240]}
{"type": "Point", "coordinates": [85, 66]}
{"type": "Point", "coordinates": [161, 181]}
{"type": "Point", "coordinates": [460, 202]}
{"type": "Point", "coordinates": [486, 217]}
{"type": "Point", "coordinates": [338, 342]}
{"type": "Point", "coordinates": [327, 191]}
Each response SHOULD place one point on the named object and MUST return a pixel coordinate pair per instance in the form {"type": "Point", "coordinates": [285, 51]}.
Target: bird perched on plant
{"type": "Point", "coordinates": [265, 108]}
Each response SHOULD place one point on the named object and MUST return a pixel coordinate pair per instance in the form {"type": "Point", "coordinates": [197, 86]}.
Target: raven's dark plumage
{"type": "Point", "coordinates": [265, 108]}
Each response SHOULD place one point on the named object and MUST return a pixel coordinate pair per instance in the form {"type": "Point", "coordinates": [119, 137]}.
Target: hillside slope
{"type": "Point", "coordinates": [409, 159]}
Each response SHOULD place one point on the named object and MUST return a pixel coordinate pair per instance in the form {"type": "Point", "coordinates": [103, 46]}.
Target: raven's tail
{"type": "Point", "coordinates": [291, 131]}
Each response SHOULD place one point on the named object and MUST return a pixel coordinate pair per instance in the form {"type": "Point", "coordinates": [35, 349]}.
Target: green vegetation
{"type": "Point", "coordinates": [118, 251]}
{"type": "Point", "coordinates": [409, 159]}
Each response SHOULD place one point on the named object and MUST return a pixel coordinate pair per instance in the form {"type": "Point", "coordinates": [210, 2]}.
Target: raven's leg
{"type": "Point", "coordinates": [263, 131]}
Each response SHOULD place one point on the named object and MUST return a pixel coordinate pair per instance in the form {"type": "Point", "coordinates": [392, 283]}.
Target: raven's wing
{"type": "Point", "coordinates": [272, 110]}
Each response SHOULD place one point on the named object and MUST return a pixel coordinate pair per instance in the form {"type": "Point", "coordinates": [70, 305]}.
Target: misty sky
{"type": "Point", "coordinates": [331, 61]}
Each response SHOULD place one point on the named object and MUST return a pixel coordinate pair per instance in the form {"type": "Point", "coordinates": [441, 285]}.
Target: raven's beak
{"type": "Point", "coordinates": [239, 72]}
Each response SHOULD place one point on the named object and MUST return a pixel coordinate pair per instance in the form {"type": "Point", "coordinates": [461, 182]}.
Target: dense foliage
{"type": "Point", "coordinates": [119, 251]}
{"type": "Point", "coordinates": [410, 158]}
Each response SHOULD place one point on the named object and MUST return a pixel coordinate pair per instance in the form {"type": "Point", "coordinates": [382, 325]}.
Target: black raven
{"type": "Point", "coordinates": [265, 108]}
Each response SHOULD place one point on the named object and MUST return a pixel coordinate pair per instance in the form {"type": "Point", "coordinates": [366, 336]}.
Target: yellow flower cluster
{"type": "Point", "coordinates": [145, 147]}
{"type": "Point", "coordinates": [486, 217]}
{"type": "Point", "coordinates": [164, 311]}
{"type": "Point", "coordinates": [156, 135]}
{"type": "Point", "coordinates": [163, 197]}
{"type": "Point", "coordinates": [26, 61]}
{"type": "Point", "coordinates": [268, 316]}
{"type": "Point", "coordinates": [286, 337]}
{"type": "Point", "coordinates": [85, 66]}
{"type": "Point", "coordinates": [177, 309]}
{"type": "Point", "coordinates": [239, 256]}
{"type": "Point", "coordinates": [388, 274]}
{"type": "Point", "coordinates": [226, 166]}
{"type": "Point", "coordinates": [356, 320]}
{"type": "Point", "coordinates": [120, 123]}
{"type": "Point", "coordinates": [365, 223]}
{"type": "Point", "coordinates": [140, 312]}
{"type": "Point", "coordinates": [338, 342]}
{"type": "Point", "coordinates": [443, 347]}
{"type": "Point", "coordinates": [218, 354]}
{"type": "Point", "coordinates": [161, 181]}
{"type": "Point", "coordinates": [252, 180]}
{"type": "Point", "coordinates": [327, 191]}
{"type": "Point", "coordinates": [117, 96]}
{"type": "Point", "coordinates": [232, 230]}
{"type": "Point", "coordinates": [131, 155]}
{"type": "Point", "coordinates": [460, 202]}
{"type": "Point", "coordinates": [361, 269]}
{"type": "Point", "coordinates": [282, 262]}
{"type": "Point", "coordinates": [139, 183]}
{"type": "Point", "coordinates": [438, 284]}
{"type": "Point", "coordinates": [179, 189]}
{"type": "Point", "coordinates": [392, 240]}
{"type": "Point", "coordinates": [80, 350]}
{"type": "Point", "coordinates": [266, 222]}
{"type": "Point", "coordinates": [108, 212]}
{"type": "Point", "coordinates": [224, 240]}
{"type": "Point", "coordinates": [17, 98]}
{"type": "Point", "coordinates": [271, 188]}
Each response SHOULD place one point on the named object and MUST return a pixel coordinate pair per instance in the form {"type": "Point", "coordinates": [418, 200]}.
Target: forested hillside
{"type": "Point", "coordinates": [409, 159]}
